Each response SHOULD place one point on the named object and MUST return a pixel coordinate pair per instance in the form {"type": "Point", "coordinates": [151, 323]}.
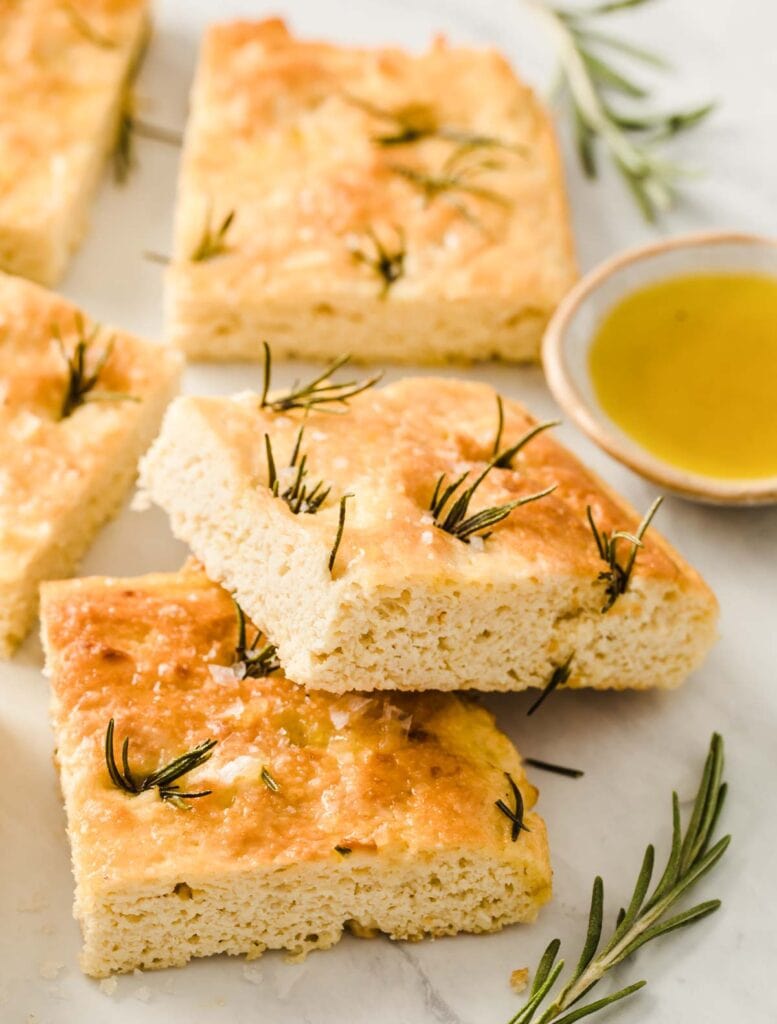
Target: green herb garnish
{"type": "Point", "coordinates": [298, 496]}
{"type": "Point", "coordinates": [339, 534]}
{"type": "Point", "coordinates": [591, 81]}
{"type": "Point", "coordinates": [164, 779]}
{"type": "Point", "coordinates": [504, 459]}
{"type": "Point", "coordinates": [81, 383]}
{"type": "Point", "coordinates": [617, 576]}
{"type": "Point", "coordinates": [558, 677]}
{"type": "Point", "coordinates": [515, 814]}
{"type": "Point", "coordinates": [388, 264]}
{"type": "Point", "coordinates": [256, 661]}
{"type": "Point", "coordinates": [457, 521]}
{"type": "Point", "coordinates": [557, 769]}
{"type": "Point", "coordinates": [213, 240]}
{"type": "Point", "coordinates": [318, 394]}
{"type": "Point", "coordinates": [644, 919]}
{"type": "Point", "coordinates": [269, 781]}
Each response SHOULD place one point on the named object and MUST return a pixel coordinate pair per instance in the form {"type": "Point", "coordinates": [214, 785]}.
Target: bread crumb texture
{"type": "Point", "coordinates": [409, 605]}
{"type": "Point", "coordinates": [384, 818]}
{"type": "Point", "coordinates": [61, 479]}
{"type": "Point", "coordinates": [286, 135]}
{"type": "Point", "coordinates": [63, 73]}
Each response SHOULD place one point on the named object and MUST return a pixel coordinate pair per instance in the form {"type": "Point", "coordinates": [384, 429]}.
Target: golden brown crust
{"type": "Point", "coordinates": [279, 133]}
{"type": "Point", "coordinates": [398, 775]}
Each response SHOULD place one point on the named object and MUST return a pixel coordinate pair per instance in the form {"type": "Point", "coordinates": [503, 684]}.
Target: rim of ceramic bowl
{"type": "Point", "coordinates": [592, 420]}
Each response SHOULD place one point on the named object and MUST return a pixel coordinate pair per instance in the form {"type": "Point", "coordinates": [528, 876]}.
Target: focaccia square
{"type": "Point", "coordinates": [410, 602]}
{"type": "Point", "coordinates": [66, 464]}
{"type": "Point", "coordinates": [322, 812]}
{"type": "Point", "coordinates": [401, 207]}
{"type": "Point", "coordinates": [64, 69]}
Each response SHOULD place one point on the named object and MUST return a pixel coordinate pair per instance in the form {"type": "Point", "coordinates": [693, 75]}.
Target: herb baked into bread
{"type": "Point", "coordinates": [70, 437]}
{"type": "Point", "coordinates": [64, 68]}
{"type": "Point", "coordinates": [400, 207]}
{"type": "Point", "coordinates": [418, 597]}
{"type": "Point", "coordinates": [323, 811]}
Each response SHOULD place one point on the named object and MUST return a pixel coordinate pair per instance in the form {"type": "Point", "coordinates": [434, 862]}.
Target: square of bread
{"type": "Point", "coordinates": [289, 137]}
{"type": "Point", "coordinates": [407, 604]}
{"type": "Point", "coordinates": [62, 478]}
{"type": "Point", "coordinates": [64, 69]}
{"type": "Point", "coordinates": [375, 814]}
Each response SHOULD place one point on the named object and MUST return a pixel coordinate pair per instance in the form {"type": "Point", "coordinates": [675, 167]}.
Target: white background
{"type": "Point", "coordinates": [634, 748]}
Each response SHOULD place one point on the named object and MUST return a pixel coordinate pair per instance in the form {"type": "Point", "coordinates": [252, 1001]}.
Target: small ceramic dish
{"type": "Point", "coordinates": [567, 341]}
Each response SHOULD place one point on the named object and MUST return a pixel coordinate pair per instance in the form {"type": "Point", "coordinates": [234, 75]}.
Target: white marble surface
{"type": "Point", "coordinates": [634, 748]}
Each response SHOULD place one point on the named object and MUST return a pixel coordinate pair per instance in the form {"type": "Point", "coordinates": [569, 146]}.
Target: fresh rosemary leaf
{"type": "Point", "coordinates": [558, 769]}
{"type": "Point", "coordinates": [213, 240]}
{"type": "Point", "coordinates": [645, 918]}
{"type": "Point", "coordinates": [388, 264]}
{"type": "Point", "coordinates": [504, 459]}
{"type": "Point", "coordinates": [558, 677]}
{"type": "Point", "coordinates": [617, 575]}
{"type": "Point", "coordinates": [81, 382]}
{"type": "Point", "coordinates": [515, 814]}
{"type": "Point", "coordinates": [298, 495]}
{"type": "Point", "coordinates": [590, 80]}
{"type": "Point", "coordinates": [269, 781]}
{"type": "Point", "coordinates": [256, 662]}
{"type": "Point", "coordinates": [86, 29]}
{"type": "Point", "coordinates": [124, 146]}
{"type": "Point", "coordinates": [339, 534]}
{"type": "Point", "coordinates": [343, 850]}
{"type": "Point", "coordinates": [318, 394]}
{"type": "Point", "coordinates": [164, 779]}
{"type": "Point", "coordinates": [456, 519]}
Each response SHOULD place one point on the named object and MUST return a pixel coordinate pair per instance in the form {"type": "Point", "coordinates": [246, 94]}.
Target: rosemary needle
{"type": "Point", "coordinates": [504, 459]}
{"type": "Point", "coordinates": [693, 853]}
{"type": "Point", "coordinates": [299, 496]}
{"type": "Point", "coordinates": [387, 263]}
{"type": "Point", "coordinates": [256, 662]}
{"type": "Point", "coordinates": [557, 769]}
{"type": "Point", "coordinates": [558, 677]}
{"type": "Point", "coordinates": [339, 534]}
{"type": "Point", "coordinates": [81, 383]}
{"type": "Point", "coordinates": [213, 240]}
{"type": "Point", "coordinates": [269, 781]}
{"type": "Point", "coordinates": [514, 814]}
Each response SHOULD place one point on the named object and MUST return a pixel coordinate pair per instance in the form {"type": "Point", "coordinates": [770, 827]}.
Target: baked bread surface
{"type": "Point", "coordinates": [409, 605]}
{"type": "Point", "coordinates": [60, 479]}
{"type": "Point", "coordinates": [63, 71]}
{"type": "Point", "coordinates": [406, 783]}
{"type": "Point", "coordinates": [283, 134]}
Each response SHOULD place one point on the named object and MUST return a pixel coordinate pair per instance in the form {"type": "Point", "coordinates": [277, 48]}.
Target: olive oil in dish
{"type": "Point", "coordinates": [687, 367]}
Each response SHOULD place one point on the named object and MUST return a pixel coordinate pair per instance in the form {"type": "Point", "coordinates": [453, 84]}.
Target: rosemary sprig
{"type": "Point", "coordinates": [457, 521]}
{"type": "Point", "coordinates": [339, 534]}
{"type": "Point", "coordinates": [213, 240]}
{"type": "Point", "coordinates": [556, 769]}
{"type": "Point", "coordinates": [86, 29]}
{"type": "Point", "coordinates": [590, 80]}
{"type": "Point", "coordinates": [130, 127]}
{"type": "Point", "coordinates": [388, 264]}
{"type": "Point", "coordinates": [81, 383]}
{"type": "Point", "coordinates": [318, 394]}
{"type": "Point", "coordinates": [558, 677]}
{"type": "Point", "coordinates": [257, 662]}
{"type": "Point", "coordinates": [298, 496]}
{"type": "Point", "coordinates": [645, 917]}
{"type": "Point", "coordinates": [459, 176]}
{"type": "Point", "coordinates": [269, 781]}
{"type": "Point", "coordinates": [413, 122]}
{"type": "Point", "coordinates": [165, 779]}
{"type": "Point", "coordinates": [504, 458]}
{"type": "Point", "coordinates": [618, 575]}
{"type": "Point", "coordinates": [515, 814]}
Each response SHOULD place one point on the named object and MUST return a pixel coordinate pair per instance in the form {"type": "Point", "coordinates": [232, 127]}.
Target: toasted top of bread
{"type": "Point", "coordinates": [287, 134]}
{"type": "Point", "coordinates": [394, 774]}
{"type": "Point", "coordinates": [390, 449]}
{"type": "Point", "coordinates": [61, 62]}
{"type": "Point", "coordinates": [44, 458]}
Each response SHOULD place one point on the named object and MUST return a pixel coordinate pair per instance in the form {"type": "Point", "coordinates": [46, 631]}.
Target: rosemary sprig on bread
{"type": "Point", "coordinates": [693, 853]}
{"type": "Point", "coordinates": [617, 575]}
{"type": "Point", "coordinates": [385, 261]}
{"type": "Point", "coordinates": [213, 240]}
{"type": "Point", "coordinates": [164, 779]}
{"type": "Point", "coordinates": [504, 457]}
{"type": "Point", "coordinates": [253, 661]}
{"type": "Point", "coordinates": [297, 494]}
{"type": "Point", "coordinates": [319, 394]}
{"type": "Point", "coordinates": [81, 383]}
